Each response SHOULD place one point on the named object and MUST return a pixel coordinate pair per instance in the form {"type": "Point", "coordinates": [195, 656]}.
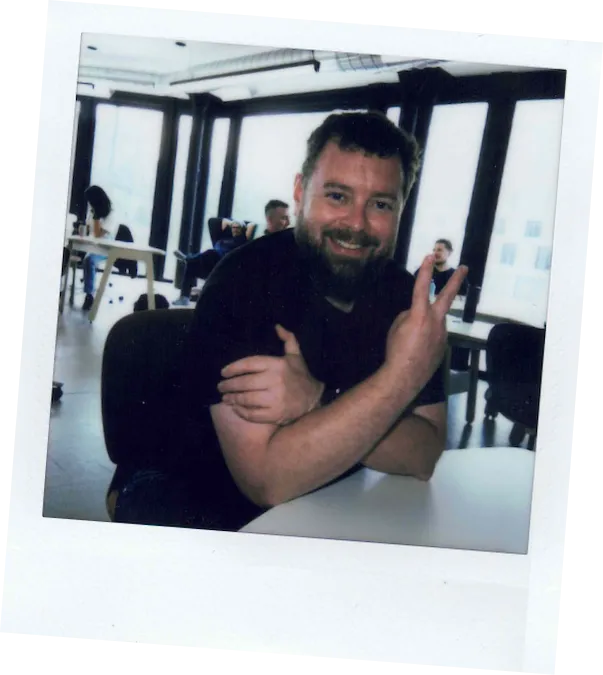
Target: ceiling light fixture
{"type": "Point", "coordinates": [181, 44]}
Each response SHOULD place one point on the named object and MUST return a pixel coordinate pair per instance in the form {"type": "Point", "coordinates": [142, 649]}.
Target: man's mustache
{"type": "Point", "coordinates": [351, 237]}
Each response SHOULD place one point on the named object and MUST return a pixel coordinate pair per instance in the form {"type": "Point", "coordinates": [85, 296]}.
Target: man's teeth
{"type": "Point", "coordinates": [347, 244]}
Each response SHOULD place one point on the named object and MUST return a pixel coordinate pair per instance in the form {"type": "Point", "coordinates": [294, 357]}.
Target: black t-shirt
{"type": "Point", "coordinates": [440, 279]}
{"type": "Point", "coordinates": [264, 283]}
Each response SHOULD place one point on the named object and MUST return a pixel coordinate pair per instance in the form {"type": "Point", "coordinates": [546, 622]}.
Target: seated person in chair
{"type": "Point", "coordinates": [311, 352]}
{"type": "Point", "coordinates": [277, 216]}
{"type": "Point", "coordinates": [442, 270]}
{"type": "Point", "coordinates": [199, 265]}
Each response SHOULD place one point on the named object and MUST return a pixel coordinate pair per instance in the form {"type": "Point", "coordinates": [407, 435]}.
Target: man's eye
{"type": "Point", "coordinates": [384, 206]}
{"type": "Point", "coordinates": [336, 197]}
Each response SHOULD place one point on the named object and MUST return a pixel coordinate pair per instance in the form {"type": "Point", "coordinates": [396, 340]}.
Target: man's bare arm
{"type": "Point", "coordinates": [272, 464]}
{"type": "Point", "coordinates": [413, 445]}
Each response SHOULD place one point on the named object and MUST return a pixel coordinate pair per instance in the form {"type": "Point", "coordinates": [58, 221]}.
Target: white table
{"type": "Point", "coordinates": [478, 499]}
{"type": "Point", "coordinates": [114, 250]}
{"type": "Point", "coordinates": [472, 336]}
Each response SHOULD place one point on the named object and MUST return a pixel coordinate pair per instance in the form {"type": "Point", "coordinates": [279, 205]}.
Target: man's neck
{"type": "Point", "coordinates": [442, 267]}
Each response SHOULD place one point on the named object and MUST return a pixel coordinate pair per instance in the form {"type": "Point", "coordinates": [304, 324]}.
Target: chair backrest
{"type": "Point", "coordinates": [124, 234]}
{"type": "Point", "coordinates": [140, 397]}
{"type": "Point", "coordinates": [514, 353]}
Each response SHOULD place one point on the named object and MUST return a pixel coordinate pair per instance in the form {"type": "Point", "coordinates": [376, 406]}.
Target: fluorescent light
{"type": "Point", "coordinates": [246, 79]}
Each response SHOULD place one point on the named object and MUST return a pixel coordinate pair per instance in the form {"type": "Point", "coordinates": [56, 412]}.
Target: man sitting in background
{"type": "Point", "coordinates": [199, 265]}
{"type": "Point", "coordinates": [277, 216]}
{"type": "Point", "coordinates": [442, 271]}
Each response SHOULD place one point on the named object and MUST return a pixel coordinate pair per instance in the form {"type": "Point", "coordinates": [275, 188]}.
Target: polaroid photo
{"type": "Point", "coordinates": [180, 212]}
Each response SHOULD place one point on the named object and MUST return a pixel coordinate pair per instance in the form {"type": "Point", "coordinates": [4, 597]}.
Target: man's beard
{"type": "Point", "coordinates": [341, 279]}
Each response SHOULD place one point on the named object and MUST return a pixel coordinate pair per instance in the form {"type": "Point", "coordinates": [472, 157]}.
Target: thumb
{"type": "Point", "coordinates": [291, 344]}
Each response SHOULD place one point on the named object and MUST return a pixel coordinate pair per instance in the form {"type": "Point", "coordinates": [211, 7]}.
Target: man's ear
{"type": "Point", "coordinates": [298, 193]}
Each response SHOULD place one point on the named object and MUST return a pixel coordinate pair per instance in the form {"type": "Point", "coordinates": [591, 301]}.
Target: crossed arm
{"type": "Point", "coordinates": [273, 462]}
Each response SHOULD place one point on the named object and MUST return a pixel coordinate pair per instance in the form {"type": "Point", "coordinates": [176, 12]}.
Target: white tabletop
{"type": "Point", "coordinates": [106, 244]}
{"type": "Point", "coordinates": [478, 499]}
{"type": "Point", "coordinates": [478, 330]}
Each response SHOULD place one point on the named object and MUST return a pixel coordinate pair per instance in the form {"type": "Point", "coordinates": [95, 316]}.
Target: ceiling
{"type": "Point", "coordinates": [162, 67]}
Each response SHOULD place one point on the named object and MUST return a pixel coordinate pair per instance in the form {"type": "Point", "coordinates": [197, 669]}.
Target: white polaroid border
{"type": "Point", "coordinates": [281, 595]}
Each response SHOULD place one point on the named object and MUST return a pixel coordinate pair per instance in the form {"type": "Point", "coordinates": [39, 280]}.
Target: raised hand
{"type": "Point", "coordinates": [416, 341]}
{"type": "Point", "coordinates": [268, 389]}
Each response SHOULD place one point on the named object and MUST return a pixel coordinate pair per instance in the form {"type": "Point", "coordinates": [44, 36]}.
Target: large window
{"type": "Point", "coordinates": [184, 136]}
{"type": "Point", "coordinates": [272, 149]}
{"type": "Point", "coordinates": [124, 163]}
{"type": "Point", "coordinates": [516, 286]}
{"type": "Point", "coordinates": [217, 157]}
{"type": "Point", "coordinates": [447, 177]}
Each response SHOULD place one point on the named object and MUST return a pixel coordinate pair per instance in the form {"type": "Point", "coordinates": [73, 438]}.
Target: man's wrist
{"type": "Point", "coordinates": [397, 384]}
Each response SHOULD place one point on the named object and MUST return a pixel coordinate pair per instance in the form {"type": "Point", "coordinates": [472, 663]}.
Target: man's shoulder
{"type": "Point", "coordinates": [395, 273]}
{"type": "Point", "coordinates": [257, 259]}
{"type": "Point", "coordinates": [395, 287]}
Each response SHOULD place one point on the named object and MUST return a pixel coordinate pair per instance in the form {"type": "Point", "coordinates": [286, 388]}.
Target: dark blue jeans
{"type": "Point", "coordinates": [154, 497]}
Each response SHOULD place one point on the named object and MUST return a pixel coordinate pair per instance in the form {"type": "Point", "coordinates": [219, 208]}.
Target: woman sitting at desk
{"type": "Point", "coordinates": [99, 220]}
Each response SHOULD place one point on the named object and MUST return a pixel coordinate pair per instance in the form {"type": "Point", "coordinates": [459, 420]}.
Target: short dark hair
{"type": "Point", "coordinates": [275, 204]}
{"type": "Point", "coordinates": [371, 132]}
{"type": "Point", "coordinates": [447, 243]}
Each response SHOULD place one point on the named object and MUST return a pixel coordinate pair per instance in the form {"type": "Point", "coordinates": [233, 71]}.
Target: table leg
{"type": "Point", "coordinates": [150, 278]}
{"type": "Point", "coordinates": [109, 262]}
{"type": "Point", "coordinates": [473, 379]}
{"type": "Point", "coordinates": [65, 280]}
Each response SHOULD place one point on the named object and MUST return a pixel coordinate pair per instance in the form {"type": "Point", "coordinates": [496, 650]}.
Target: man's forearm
{"type": "Point", "coordinates": [328, 441]}
{"type": "Point", "coordinates": [411, 448]}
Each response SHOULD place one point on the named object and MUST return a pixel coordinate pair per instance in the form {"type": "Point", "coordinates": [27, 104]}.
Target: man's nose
{"type": "Point", "coordinates": [356, 218]}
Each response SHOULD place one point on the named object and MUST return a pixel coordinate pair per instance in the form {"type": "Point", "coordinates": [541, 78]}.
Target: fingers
{"type": "Point", "coordinates": [257, 415]}
{"type": "Point", "coordinates": [249, 399]}
{"type": "Point", "coordinates": [248, 382]}
{"type": "Point", "coordinates": [291, 343]}
{"type": "Point", "coordinates": [250, 364]}
{"type": "Point", "coordinates": [420, 295]}
{"type": "Point", "coordinates": [451, 289]}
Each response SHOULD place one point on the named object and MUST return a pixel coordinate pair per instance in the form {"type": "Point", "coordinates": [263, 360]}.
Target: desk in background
{"type": "Point", "coordinates": [472, 336]}
{"type": "Point", "coordinates": [478, 499]}
{"type": "Point", "coordinates": [114, 250]}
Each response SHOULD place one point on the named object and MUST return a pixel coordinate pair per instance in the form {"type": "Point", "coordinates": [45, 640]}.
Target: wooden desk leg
{"type": "Point", "coordinates": [65, 280]}
{"type": "Point", "coordinates": [150, 279]}
{"type": "Point", "coordinates": [109, 262]}
{"type": "Point", "coordinates": [473, 379]}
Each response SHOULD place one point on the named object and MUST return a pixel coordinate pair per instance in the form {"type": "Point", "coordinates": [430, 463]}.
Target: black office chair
{"type": "Point", "coordinates": [139, 388]}
{"type": "Point", "coordinates": [126, 267]}
{"type": "Point", "coordinates": [514, 357]}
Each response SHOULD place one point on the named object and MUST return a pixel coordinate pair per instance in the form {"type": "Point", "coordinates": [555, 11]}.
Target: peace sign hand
{"type": "Point", "coordinates": [416, 341]}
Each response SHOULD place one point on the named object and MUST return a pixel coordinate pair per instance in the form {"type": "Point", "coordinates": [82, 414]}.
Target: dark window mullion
{"type": "Point", "coordinates": [486, 188]}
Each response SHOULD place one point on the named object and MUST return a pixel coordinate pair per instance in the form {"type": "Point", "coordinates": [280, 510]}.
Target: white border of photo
{"type": "Point", "coordinates": [279, 595]}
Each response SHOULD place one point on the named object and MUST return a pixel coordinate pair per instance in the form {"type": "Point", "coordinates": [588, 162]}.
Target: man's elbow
{"type": "Point", "coordinates": [427, 468]}
{"type": "Point", "coordinates": [265, 495]}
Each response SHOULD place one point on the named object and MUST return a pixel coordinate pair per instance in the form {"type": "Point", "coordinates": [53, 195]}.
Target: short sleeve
{"type": "Point", "coordinates": [434, 391]}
